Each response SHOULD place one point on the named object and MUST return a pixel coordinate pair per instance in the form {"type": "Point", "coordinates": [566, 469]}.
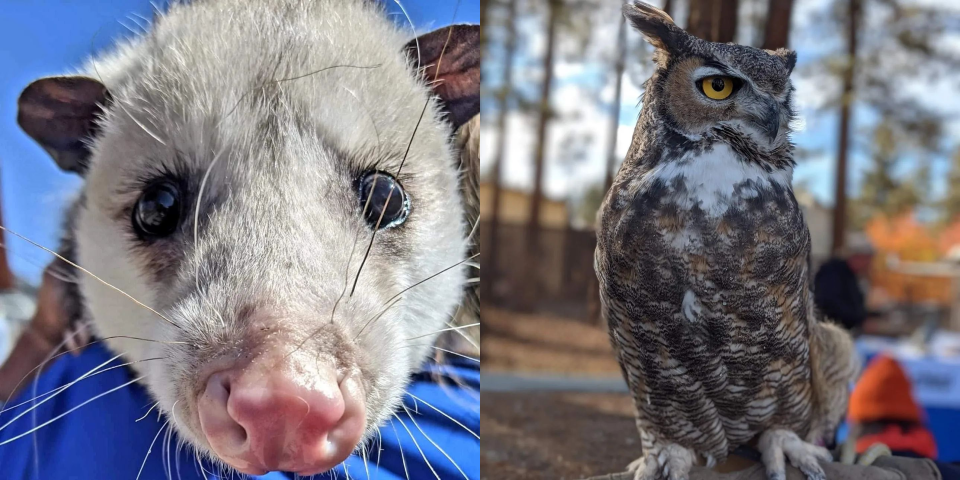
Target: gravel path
{"type": "Point", "coordinates": [554, 402]}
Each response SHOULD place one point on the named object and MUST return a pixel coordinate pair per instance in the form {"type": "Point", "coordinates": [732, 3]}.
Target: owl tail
{"type": "Point", "coordinates": [834, 366]}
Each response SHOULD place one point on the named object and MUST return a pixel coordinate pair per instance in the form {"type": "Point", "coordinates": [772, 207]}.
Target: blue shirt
{"type": "Point", "coordinates": [103, 439]}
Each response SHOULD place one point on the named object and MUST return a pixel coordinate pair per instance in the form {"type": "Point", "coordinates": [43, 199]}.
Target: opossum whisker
{"type": "Point", "coordinates": [379, 449]}
{"type": "Point", "coordinates": [377, 316]}
{"type": "Point", "coordinates": [305, 75]}
{"type": "Point", "coordinates": [346, 270]}
{"type": "Point", "coordinates": [124, 25]}
{"type": "Point", "coordinates": [36, 380]}
{"type": "Point", "coordinates": [412, 27]}
{"type": "Point", "coordinates": [180, 444]}
{"type": "Point", "coordinates": [55, 273]}
{"type": "Point", "coordinates": [196, 225]}
{"type": "Point", "coordinates": [196, 213]}
{"type": "Point", "coordinates": [167, 460]}
{"type": "Point", "coordinates": [141, 17]}
{"type": "Point", "coordinates": [56, 390]}
{"type": "Point", "coordinates": [180, 441]}
{"type": "Point", "coordinates": [457, 354]}
{"type": "Point", "coordinates": [406, 153]}
{"type": "Point", "coordinates": [403, 459]}
{"type": "Point", "coordinates": [150, 448]}
{"type": "Point", "coordinates": [414, 420]}
{"type": "Point", "coordinates": [473, 230]}
{"type": "Point", "coordinates": [58, 417]}
{"type": "Point", "coordinates": [469, 340]}
{"type": "Point", "coordinates": [118, 102]}
{"type": "Point", "coordinates": [155, 405]}
{"type": "Point", "coordinates": [455, 265]}
{"type": "Point", "coordinates": [372, 237]}
{"type": "Point", "coordinates": [416, 443]}
{"type": "Point", "coordinates": [450, 329]}
{"type": "Point", "coordinates": [203, 471]}
{"type": "Point", "coordinates": [364, 452]}
{"type": "Point", "coordinates": [70, 350]}
{"type": "Point", "coordinates": [394, 299]}
{"type": "Point", "coordinates": [53, 393]}
{"type": "Point", "coordinates": [441, 412]}
{"type": "Point", "coordinates": [44, 362]}
{"type": "Point", "coordinates": [78, 267]}
{"type": "Point", "coordinates": [279, 80]}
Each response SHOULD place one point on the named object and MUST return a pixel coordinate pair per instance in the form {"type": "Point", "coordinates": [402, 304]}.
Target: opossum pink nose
{"type": "Point", "coordinates": [259, 421]}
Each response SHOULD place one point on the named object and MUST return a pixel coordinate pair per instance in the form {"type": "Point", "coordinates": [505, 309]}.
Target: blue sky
{"type": "Point", "coordinates": [49, 37]}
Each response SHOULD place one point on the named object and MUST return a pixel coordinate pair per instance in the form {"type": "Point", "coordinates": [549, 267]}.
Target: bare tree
{"type": "Point", "coordinates": [533, 222]}
{"type": "Point", "coordinates": [503, 97]}
{"type": "Point", "coordinates": [713, 20]}
{"type": "Point", "coordinates": [843, 146]}
{"type": "Point", "coordinates": [777, 32]}
{"type": "Point", "coordinates": [618, 69]}
{"type": "Point", "coordinates": [725, 20]}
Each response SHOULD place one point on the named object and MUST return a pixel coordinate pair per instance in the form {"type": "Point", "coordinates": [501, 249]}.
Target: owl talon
{"type": "Point", "coordinates": [777, 444]}
{"type": "Point", "coordinates": [670, 462]}
{"type": "Point", "coordinates": [645, 468]}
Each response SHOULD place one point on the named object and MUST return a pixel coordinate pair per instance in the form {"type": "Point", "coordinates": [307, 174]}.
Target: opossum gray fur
{"type": "Point", "coordinates": [274, 109]}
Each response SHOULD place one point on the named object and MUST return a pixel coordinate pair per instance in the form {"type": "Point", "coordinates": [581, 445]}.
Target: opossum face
{"type": "Point", "coordinates": [277, 185]}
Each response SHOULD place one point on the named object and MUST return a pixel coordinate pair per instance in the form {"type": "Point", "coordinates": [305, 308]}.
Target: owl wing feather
{"type": "Point", "coordinates": [709, 316]}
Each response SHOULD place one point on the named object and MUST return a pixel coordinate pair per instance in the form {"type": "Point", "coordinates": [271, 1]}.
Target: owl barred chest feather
{"type": "Point", "coordinates": [703, 260]}
{"type": "Point", "coordinates": [714, 301]}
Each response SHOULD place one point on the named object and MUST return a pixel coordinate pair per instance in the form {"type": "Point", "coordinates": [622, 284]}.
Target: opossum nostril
{"type": "Point", "coordinates": [259, 419]}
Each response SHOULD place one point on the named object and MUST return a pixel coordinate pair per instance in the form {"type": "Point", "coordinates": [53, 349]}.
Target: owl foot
{"type": "Point", "coordinates": [668, 462]}
{"type": "Point", "coordinates": [774, 444]}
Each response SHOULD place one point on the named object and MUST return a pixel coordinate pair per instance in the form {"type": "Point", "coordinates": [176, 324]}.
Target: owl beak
{"type": "Point", "coordinates": [768, 121]}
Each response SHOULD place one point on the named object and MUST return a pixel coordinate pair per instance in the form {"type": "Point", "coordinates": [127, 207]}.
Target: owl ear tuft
{"type": "Point", "coordinates": [655, 25]}
{"type": "Point", "coordinates": [789, 58]}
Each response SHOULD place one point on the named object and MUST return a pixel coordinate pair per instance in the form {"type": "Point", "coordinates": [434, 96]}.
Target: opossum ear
{"type": "Point", "coordinates": [450, 64]}
{"type": "Point", "coordinates": [61, 113]}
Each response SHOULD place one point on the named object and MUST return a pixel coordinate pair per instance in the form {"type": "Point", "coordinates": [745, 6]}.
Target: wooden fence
{"type": "Point", "coordinates": [563, 282]}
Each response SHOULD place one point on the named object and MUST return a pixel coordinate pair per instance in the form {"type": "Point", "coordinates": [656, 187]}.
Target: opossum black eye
{"type": "Point", "coordinates": [157, 212]}
{"type": "Point", "coordinates": [383, 202]}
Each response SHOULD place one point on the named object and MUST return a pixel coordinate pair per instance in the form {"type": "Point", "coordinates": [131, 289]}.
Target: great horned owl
{"type": "Point", "coordinates": [703, 258]}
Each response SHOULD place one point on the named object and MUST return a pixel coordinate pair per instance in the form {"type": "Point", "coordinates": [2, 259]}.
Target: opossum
{"type": "Point", "coordinates": [269, 226]}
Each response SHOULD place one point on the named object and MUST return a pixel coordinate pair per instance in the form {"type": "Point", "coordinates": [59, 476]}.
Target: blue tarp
{"type": "Point", "coordinates": [103, 439]}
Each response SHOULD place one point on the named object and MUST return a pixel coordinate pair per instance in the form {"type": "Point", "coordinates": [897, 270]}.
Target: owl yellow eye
{"type": "Point", "coordinates": [717, 88]}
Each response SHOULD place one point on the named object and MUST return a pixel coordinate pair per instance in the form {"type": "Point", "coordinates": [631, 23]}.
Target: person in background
{"type": "Point", "coordinates": [882, 410]}
{"type": "Point", "coordinates": [838, 285]}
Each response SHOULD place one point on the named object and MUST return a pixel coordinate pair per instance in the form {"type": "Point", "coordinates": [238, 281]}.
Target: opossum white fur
{"type": "Point", "coordinates": [279, 212]}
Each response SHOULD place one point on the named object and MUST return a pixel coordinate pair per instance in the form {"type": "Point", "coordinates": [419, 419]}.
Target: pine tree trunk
{"type": "Point", "coordinates": [489, 275]}
{"type": "Point", "coordinates": [619, 67]}
{"type": "Point", "coordinates": [777, 32]}
{"type": "Point", "coordinates": [531, 285]}
{"type": "Point", "coordinates": [698, 18]}
{"type": "Point", "coordinates": [725, 21]}
{"type": "Point", "coordinates": [840, 194]}
{"type": "Point", "coordinates": [713, 20]}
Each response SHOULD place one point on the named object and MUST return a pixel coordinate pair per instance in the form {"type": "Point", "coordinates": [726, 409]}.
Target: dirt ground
{"type": "Point", "coordinates": [556, 435]}
{"type": "Point", "coordinates": [514, 342]}
{"type": "Point", "coordinates": [551, 435]}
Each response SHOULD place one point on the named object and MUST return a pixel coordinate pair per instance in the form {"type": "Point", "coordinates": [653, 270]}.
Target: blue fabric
{"type": "Point", "coordinates": [103, 439]}
{"type": "Point", "coordinates": [942, 423]}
